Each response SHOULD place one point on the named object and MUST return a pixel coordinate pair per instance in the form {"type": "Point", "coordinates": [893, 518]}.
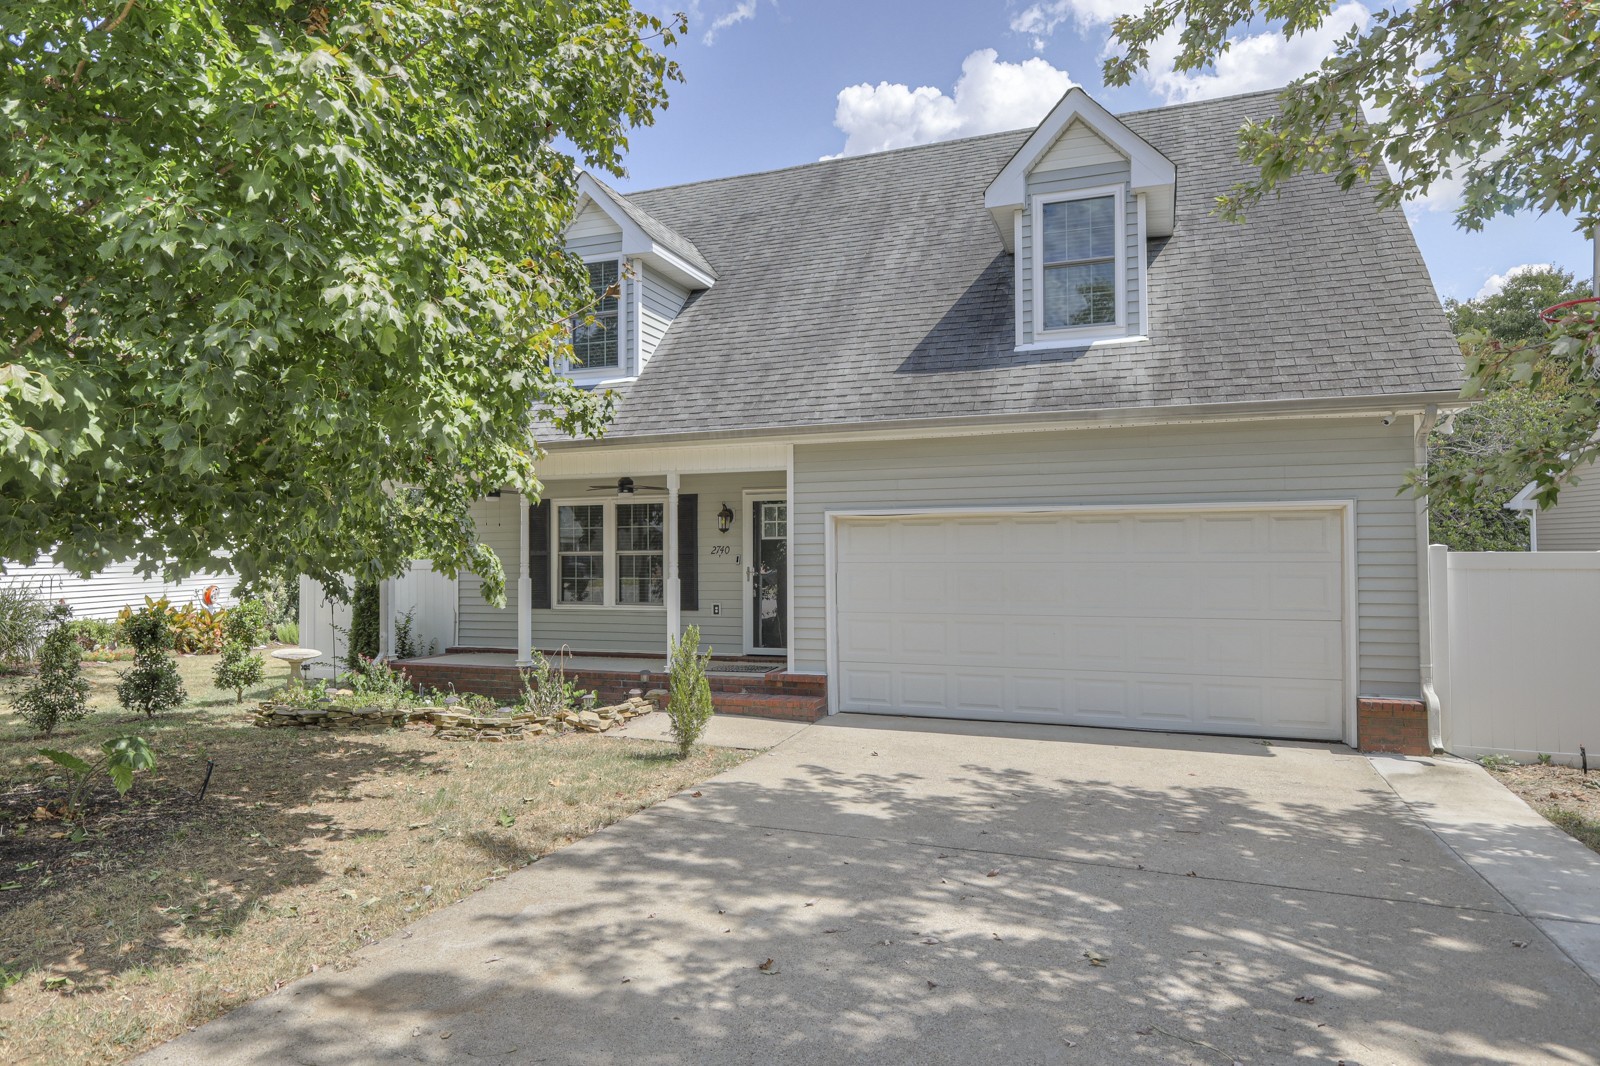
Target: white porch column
{"type": "Point", "coordinates": [674, 599]}
{"type": "Point", "coordinates": [788, 558]}
{"type": "Point", "coordinates": [524, 585]}
{"type": "Point", "coordinates": [385, 619]}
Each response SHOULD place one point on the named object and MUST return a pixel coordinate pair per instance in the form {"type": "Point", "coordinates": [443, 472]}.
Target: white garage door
{"type": "Point", "coordinates": [1220, 621]}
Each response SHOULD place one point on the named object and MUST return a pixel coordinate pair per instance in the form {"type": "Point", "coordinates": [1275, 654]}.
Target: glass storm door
{"type": "Point", "coordinates": [769, 558]}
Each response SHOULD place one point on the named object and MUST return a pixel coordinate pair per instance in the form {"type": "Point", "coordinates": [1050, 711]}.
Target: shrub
{"type": "Point", "coordinates": [194, 629]}
{"type": "Point", "coordinates": [153, 683]}
{"type": "Point", "coordinates": [24, 619]}
{"type": "Point", "coordinates": [121, 757]}
{"type": "Point", "coordinates": [286, 632]}
{"type": "Point", "coordinates": [60, 693]}
{"type": "Point", "coordinates": [363, 624]}
{"type": "Point", "coordinates": [546, 692]}
{"type": "Point", "coordinates": [239, 668]}
{"type": "Point", "coordinates": [405, 641]}
{"type": "Point", "coordinates": [375, 681]}
{"type": "Point", "coordinates": [93, 634]}
{"type": "Point", "coordinates": [689, 702]}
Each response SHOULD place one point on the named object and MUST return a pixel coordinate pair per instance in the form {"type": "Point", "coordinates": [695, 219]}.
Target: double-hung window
{"type": "Point", "coordinates": [1078, 262]}
{"type": "Point", "coordinates": [594, 335]}
{"type": "Point", "coordinates": [611, 554]}
{"type": "Point", "coordinates": [581, 553]}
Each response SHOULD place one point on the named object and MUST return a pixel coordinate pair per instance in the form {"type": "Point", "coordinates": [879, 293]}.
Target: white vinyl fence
{"type": "Point", "coordinates": [1515, 652]}
{"type": "Point", "coordinates": [430, 597]}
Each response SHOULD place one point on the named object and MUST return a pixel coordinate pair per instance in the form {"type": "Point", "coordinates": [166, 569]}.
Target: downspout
{"type": "Point", "coordinates": [1430, 696]}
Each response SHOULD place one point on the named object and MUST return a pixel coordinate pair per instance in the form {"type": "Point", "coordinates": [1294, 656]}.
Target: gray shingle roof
{"type": "Point", "coordinates": [875, 288]}
{"type": "Point", "coordinates": [657, 230]}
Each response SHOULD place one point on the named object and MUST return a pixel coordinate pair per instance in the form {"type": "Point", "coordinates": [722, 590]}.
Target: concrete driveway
{"type": "Point", "coordinates": [962, 893]}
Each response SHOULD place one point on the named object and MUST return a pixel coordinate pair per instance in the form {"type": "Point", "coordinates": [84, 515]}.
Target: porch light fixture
{"type": "Point", "coordinates": [724, 519]}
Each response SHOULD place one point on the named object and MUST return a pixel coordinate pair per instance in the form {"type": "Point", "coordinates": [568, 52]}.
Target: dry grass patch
{"type": "Point", "coordinates": [307, 846]}
{"type": "Point", "coordinates": [1563, 794]}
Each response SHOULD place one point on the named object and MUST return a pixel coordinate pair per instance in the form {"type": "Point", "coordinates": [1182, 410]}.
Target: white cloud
{"type": "Point", "coordinates": [989, 96]}
{"type": "Point", "coordinates": [1497, 282]}
{"type": "Point", "coordinates": [1252, 62]}
{"type": "Point", "coordinates": [1040, 20]}
{"type": "Point", "coordinates": [743, 11]}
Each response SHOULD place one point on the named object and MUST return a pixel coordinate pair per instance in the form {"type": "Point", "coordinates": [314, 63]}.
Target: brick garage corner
{"type": "Point", "coordinates": [1394, 726]}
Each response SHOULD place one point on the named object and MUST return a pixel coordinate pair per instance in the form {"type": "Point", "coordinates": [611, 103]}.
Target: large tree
{"type": "Point", "coordinates": [1500, 98]}
{"type": "Point", "coordinates": [264, 261]}
{"type": "Point", "coordinates": [1471, 515]}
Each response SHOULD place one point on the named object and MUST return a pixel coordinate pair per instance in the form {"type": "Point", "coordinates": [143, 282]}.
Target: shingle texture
{"type": "Point", "coordinates": [875, 289]}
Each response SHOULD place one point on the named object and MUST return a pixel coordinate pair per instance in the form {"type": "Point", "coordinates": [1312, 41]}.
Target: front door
{"type": "Point", "coordinates": [769, 566]}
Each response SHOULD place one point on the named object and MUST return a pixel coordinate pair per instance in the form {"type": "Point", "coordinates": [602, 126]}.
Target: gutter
{"type": "Point", "coordinates": [1430, 696]}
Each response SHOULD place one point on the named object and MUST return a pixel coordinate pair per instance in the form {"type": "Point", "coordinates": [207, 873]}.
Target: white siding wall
{"type": "Point", "coordinates": [324, 626]}
{"type": "Point", "coordinates": [1043, 182]}
{"type": "Point", "coordinates": [115, 587]}
{"type": "Point", "coordinates": [478, 624]}
{"type": "Point", "coordinates": [1573, 524]}
{"type": "Point", "coordinates": [593, 235]}
{"type": "Point", "coordinates": [662, 300]}
{"type": "Point", "coordinates": [1327, 459]}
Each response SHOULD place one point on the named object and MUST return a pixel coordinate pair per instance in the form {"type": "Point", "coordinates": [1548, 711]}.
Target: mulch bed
{"type": "Point", "coordinates": [37, 849]}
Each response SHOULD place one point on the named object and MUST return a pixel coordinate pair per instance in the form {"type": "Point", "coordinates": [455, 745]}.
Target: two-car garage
{"type": "Point", "coordinates": [1223, 619]}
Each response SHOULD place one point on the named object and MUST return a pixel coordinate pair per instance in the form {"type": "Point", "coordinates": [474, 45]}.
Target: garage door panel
{"type": "Point", "coordinates": [1225, 621]}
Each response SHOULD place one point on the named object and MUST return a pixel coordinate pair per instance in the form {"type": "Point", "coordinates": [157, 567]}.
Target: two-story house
{"type": "Point", "coordinates": [1011, 427]}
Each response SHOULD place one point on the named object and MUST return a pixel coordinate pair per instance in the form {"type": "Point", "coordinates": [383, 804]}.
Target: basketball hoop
{"type": "Point", "coordinates": [1554, 313]}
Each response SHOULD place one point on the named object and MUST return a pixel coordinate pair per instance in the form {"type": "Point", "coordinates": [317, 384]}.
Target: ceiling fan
{"type": "Point", "coordinates": [626, 487]}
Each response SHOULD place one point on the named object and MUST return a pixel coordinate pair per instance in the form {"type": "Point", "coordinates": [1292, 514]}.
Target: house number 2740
{"type": "Point", "coordinates": [722, 549]}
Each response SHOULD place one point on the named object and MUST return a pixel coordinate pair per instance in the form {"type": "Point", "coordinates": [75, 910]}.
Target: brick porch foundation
{"type": "Point", "coordinates": [1399, 727]}
{"type": "Point", "coordinates": [791, 697]}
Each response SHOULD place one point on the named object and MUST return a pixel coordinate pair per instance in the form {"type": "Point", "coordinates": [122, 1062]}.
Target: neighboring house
{"type": "Point", "coordinates": [1011, 427]}
{"type": "Point", "coordinates": [1571, 524]}
{"type": "Point", "coordinates": [117, 586]}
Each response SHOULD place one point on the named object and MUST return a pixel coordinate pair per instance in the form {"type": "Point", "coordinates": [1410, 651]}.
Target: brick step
{"type": "Point", "coordinates": [785, 707]}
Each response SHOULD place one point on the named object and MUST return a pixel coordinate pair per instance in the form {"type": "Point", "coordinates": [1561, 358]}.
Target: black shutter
{"type": "Point", "coordinates": [539, 553]}
{"type": "Point", "coordinates": [689, 552]}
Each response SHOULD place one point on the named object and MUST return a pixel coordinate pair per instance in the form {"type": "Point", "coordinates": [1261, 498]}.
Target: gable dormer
{"type": "Point", "coordinates": [654, 268]}
{"type": "Point", "coordinates": [1076, 206]}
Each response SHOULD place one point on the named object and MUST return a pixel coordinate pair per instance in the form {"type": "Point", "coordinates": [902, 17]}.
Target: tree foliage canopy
{"type": "Point", "coordinates": [265, 260]}
{"type": "Point", "coordinates": [1500, 99]}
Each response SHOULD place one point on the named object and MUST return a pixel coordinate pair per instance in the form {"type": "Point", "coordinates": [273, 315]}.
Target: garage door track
{"type": "Point", "coordinates": [881, 890]}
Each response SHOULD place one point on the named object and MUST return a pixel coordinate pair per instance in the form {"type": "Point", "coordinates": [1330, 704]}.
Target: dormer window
{"type": "Point", "coordinates": [1078, 262]}
{"type": "Point", "coordinates": [594, 335]}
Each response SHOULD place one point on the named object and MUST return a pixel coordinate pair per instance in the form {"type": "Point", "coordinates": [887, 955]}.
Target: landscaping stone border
{"type": "Point", "coordinates": [344, 719]}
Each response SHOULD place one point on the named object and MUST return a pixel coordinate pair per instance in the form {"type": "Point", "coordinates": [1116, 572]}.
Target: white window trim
{"type": "Point", "coordinates": [602, 375]}
{"type": "Point", "coordinates": [608, 552]}
{"type": "Point", "coordinates": [1077, 336]}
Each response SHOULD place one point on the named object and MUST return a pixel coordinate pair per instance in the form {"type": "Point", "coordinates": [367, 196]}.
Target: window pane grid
{"type": "Point", "coordinates": [1078, 263]}
{"type": "Point", "coordinates": [640, 555]}
{"type": "Point", "coordinates": [580, 546]}
{"type": "Point", "coordinates": [594, 336]}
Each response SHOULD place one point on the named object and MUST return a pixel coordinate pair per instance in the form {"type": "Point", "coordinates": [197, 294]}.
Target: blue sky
{"type": "Point", "coordinates": [772, 84]}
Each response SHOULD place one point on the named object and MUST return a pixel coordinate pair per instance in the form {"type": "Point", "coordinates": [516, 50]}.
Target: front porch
{"type": "Point", "coordinates": [742, 686]}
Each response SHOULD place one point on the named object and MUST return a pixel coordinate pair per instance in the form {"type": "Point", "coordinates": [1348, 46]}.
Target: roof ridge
{"type": "Point", "coordinates": [934, 144]}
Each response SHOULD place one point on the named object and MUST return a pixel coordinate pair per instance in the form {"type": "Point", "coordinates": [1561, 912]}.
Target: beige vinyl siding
{"type": "Point", "coordinates": [1078, 146]}
{"type": "Point", "coordinates": [1329, 459]}
{"type": "Point", "coordinates": [661, 302]}
{"type": "Point", "coordinates": [1573, 524]}
{"type": "Point", "coordinates": [624, 629]}
{"type": "Point", "coordinates": [106, 592]}
{"type": "Point", "coordinates": [478, 624]}
{"type": "Point", "coordinates": [1043, 182]}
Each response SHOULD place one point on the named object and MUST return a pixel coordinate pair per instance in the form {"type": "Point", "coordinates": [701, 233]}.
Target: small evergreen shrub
{"type": "Point", "coordinates": [60, 693]}
{"type": "Point", "coordinates": [363, 624]}
{"type": "Point", "coordinates": [689, 702]}
{"type": "Point", "coordinates": [243, 627]}
{"type": "Point", "coordinates": [153, 683]}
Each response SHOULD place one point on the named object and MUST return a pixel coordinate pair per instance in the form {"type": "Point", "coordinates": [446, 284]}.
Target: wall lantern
{"type": "Point", "coordinates": [724, 519]}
